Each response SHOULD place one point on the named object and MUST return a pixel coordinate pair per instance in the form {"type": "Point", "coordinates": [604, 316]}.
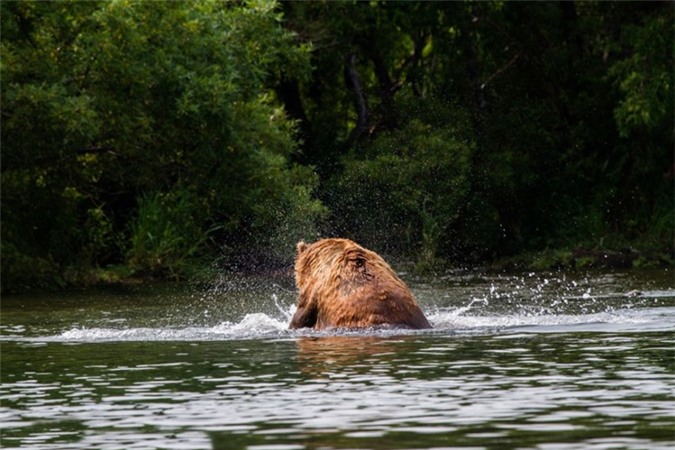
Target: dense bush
{"type": "Point", "coordinates": [404, 191]}
{"type": "Point", "coordinates": [160, 136]}
{"type": "Point", "coordinates": [560, 132]}
{"type": "Point", "coordinates": [133, 131]}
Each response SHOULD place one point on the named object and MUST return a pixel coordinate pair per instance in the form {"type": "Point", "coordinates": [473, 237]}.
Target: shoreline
{"type": "Point", "coordinates": [577, 259]}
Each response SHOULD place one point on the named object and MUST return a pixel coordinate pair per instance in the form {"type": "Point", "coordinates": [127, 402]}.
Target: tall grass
{"type": "Point", "coordinates": [166, 236]}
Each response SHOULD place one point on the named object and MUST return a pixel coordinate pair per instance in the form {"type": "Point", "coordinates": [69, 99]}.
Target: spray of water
{"type": "Point", "coordinates": [260, 307]}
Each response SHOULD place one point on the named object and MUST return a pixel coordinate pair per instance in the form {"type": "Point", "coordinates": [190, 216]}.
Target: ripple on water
{"type": "Point", "coordinates": [487, 376]}
{"type": "Point", "coordinates": [260, 325]}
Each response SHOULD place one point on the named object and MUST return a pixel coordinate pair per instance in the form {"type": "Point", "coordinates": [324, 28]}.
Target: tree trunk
{"type": "Point", "coordinates": [353, 81]}
{"type": "Point", "coordinates": [289, 93]}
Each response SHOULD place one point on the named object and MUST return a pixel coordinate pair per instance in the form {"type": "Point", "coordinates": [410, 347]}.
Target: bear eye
{"type": "Point", "coordinates": [360, 262]}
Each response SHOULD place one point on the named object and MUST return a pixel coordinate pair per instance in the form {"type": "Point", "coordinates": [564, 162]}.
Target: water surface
{"type": "Point", "coordinates": [545, 361]}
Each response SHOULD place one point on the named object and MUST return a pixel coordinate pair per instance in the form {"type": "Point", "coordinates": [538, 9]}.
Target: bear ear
{"type": "Point", "coordinates": [302, 247]}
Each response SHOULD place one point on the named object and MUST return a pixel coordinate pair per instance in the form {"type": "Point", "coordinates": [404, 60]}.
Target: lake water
{"type": "Point", "coordinates": [529, 361]}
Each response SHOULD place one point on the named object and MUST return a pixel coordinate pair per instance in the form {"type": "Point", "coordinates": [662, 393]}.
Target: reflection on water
{"type": "Point", "coordinates": [318, 355]}
{"type": "Point", "coordinates": [563, 364]}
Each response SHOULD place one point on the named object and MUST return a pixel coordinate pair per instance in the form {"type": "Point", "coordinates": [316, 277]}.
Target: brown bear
{"type": "Point", "coordinates": [343, 285]}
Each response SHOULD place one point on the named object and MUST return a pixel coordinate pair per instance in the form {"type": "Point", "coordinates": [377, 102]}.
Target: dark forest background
{"type": "Point", "coordinates": [156, 139]}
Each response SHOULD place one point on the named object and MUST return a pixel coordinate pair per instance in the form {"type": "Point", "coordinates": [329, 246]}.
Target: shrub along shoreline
{"type": "Point", "coordinates": [167, 140]}
{"type": "Point", "coordinates": [205, 272]}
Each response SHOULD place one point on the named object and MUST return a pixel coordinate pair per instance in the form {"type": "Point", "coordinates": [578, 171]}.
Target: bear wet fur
{"type": "Point", "coordinates": [343, 285]}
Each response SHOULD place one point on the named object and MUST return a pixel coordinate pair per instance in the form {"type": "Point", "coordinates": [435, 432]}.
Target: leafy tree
{"type": "Point", "coordinates": [153, 134]}
{"type": "Point", "coordinates": [566, 130]}
{"type": "Point", "coordinates": [115, 110]}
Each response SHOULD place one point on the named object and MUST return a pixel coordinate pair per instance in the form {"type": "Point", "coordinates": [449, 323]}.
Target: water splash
{"type": "Point", "coordinates": [286, 310]}
{"type": "Point", "coordinates": [261, 308]}
{"type": "Point", "coordinates": [252, 326]}
{"type": "Point", "coordinates": [451, 323]}
{"type": "Point", "coordinates": [649, 319]}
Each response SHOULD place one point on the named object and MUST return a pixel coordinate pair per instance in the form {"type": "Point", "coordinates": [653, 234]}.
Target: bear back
{"type": "Point", "coordinates": [342, 284]}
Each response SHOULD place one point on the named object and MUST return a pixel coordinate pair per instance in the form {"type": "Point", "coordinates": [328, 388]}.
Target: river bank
{"type": "Point", "coordinates": [585, 258]}
{"type": "Point", "coordinates": [204, 271]}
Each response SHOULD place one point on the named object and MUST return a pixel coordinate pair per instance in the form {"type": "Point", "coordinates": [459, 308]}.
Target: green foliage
{"type": "Point", "coordinates": [166, 234]}
{"type": "Point", "coordinates": [645, 78]}
{"type": "Point", "coordinates": [287, 215]}
{"type": "Point", "coordinates": [162, 134]}
{"type": "Point", "coordinates": [407, 192]}
{"type": "Point", "coordinates": [21, 272]}
{"type": "Point", "coordinates": [568, 117]}
{"type": "Point", "coordinates": [105, 101]}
